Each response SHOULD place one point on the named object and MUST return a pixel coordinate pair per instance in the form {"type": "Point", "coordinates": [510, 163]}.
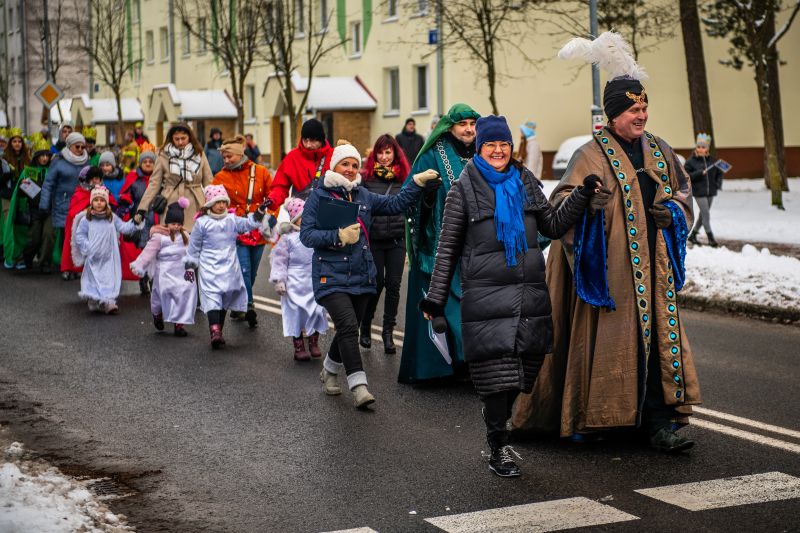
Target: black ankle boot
{"type": "Point", "coordinates": [711, 241]}
{"type": "Point", "coordinates": [693, 237]}
{"type": "Point", "coordinates": [365, 338]}
{"type": "Point", "coordinates": [388, 341]}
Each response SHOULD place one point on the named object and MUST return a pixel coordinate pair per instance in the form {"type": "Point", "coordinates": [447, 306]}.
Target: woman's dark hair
{"type": "Point", "coordinates": [183, 128]}
{"type": "Point", "coordinates": [23, 158]}
{"type": "Point", "coordinates": [400, 165]}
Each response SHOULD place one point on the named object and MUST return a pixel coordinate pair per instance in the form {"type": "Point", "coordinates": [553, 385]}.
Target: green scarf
{"type": "Point", "coordinates": [456, 114]}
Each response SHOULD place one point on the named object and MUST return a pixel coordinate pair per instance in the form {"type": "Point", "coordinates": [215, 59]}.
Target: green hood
{"type": "Point", "coordinates": [456, 114]}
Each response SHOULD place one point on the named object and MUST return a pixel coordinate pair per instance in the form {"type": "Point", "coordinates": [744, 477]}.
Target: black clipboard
{"type": "Point", "coordinates": [334, 213]}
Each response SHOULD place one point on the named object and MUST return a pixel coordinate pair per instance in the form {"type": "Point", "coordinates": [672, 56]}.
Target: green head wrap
{"type": "Point", "coordinates": [456, 114]}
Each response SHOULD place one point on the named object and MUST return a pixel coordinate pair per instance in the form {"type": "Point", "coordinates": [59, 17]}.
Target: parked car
{"type": "Point", "coordinates": [564, 153]}
{"type": "Point", "coordinates": [568, 147]}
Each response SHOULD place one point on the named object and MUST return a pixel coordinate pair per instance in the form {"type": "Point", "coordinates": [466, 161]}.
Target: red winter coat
{"type": "Point", "coordinates": [297, 170]}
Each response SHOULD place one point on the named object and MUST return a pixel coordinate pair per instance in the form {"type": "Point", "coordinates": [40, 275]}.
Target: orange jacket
{"type": "Point", "coordinates": [237, 183]}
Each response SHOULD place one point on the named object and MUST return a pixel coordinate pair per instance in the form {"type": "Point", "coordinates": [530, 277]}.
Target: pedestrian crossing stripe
{"type": "Point", "coordinates": [728, 492]}
{"type": "Point", "coordinates": [356, 530]}
{"type": "Point", "coordinates": [553, 515]}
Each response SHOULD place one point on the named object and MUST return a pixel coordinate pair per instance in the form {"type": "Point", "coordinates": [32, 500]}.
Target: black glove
{"type": "Point", "coordinates": [272, 221]}
{"type": "Point", "coordinates": [189, 276]}
{"type": "Point", "coordinates": [662, 215]}
{"type": "Point", "coordinates": [124, 203]}
{"type": "Point", "coordinates": [158, 204]}
{"type": "Point", "coordinates": [123, 211]}
{"type": "Point", "coordinates": [258, 215]}
{"type": "Point", "coordinates": [592, 182]}
{"type": "Point", "coordinates": [266, 204]}
{"type": "Point", "coordinates": [139, 216]}
{"type": "Point", "coordinates": [432, 185]}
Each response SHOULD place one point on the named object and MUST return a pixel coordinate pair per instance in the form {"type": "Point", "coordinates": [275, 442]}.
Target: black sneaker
{"type": "Point", "coordinates": [365, 340]}
{"type": "Point", "coordinates": [667, 441]}
{"type": "Point", "coordinates": [501, 462]}
{"type": "Point", "coordinates": [237, 315]}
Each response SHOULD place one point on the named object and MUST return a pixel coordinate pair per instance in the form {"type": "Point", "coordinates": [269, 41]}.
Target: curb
{"type": "Point", "coordinates": [775, 315]}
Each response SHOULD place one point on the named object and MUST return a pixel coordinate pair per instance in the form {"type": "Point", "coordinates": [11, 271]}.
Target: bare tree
{"type": "Point", "coordinates": [230, 29]}
{"type": "Point", "coordinates": [61, 20]}
{"type": "Point", "coordinates": [482, 32]}
{"type": "Point", "coordinates": [288, 55]}
{"type": "Point", "coordinates": [4, 89]}
{"type": "Point", "coordinates": [696, 69]}
{"type": "Point", "coordinates": [750, 29]}
{"type": "Point", "coordinates": [105, 44]}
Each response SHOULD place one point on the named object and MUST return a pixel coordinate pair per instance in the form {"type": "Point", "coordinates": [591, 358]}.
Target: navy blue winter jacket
{"type": "Point", "coordinates": [60, 183]}
{"type": "Point", "coordinates": [349, 268]}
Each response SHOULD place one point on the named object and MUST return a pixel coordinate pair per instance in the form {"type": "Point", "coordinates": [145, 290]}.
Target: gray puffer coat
{"type": "Point", "coordinates": [505, 310]}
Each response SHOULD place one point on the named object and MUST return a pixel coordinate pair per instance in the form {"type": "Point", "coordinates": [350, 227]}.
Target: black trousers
{"type": "Point", "coordinates": [42, 241]}
{"type": "Point", "coordinates": [497, 411]}
{"type": "Point", "coordinates": [390, 259]}
{"type": "Point", "coordinates": [346, 311]}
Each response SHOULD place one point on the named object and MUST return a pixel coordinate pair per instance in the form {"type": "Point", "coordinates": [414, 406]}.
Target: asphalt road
{"type": "Point", "coordinates": [245, 440]}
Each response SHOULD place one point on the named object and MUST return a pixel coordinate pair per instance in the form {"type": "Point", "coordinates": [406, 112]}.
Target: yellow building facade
{"type": "Point", "coordinates": [387, 54]}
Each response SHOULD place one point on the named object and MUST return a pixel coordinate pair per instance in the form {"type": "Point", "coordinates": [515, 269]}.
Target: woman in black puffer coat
{"type": "Point", "coordinates": [384, 172]}
{"type": "Point", "coordinates": [505, 308]}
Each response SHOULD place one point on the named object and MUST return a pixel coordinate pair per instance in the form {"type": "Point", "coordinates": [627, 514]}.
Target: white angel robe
{"type": "Point", "coordinates": [172, 296]}
{"type": "Point", "coordinates": [97, 243]}
{"type": "Point", "coordinates": [212, 247]}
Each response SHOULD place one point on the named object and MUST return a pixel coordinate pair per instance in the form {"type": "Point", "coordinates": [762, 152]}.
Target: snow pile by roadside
{"type": "Point", "coordinates": [742, 212]}
{"type": "Point", "coordinates": [37, 497]}
{"type": "Point", "coordinates": [748, 277]}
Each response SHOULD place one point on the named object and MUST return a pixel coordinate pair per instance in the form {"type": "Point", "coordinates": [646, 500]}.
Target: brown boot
{"type": "Point", "coordinates": [300, 353]}
{"type": "Point", "coordinates": [313, 345]}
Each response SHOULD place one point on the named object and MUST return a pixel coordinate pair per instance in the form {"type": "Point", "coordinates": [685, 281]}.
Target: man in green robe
{"type": "Point", "coordinates": [448, 148]}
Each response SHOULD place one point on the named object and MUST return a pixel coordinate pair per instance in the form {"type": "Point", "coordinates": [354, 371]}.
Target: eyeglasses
{"type": "Point", "coordinates": [79, 146]}
{"type": "Point", "coordinates": [503, 146]}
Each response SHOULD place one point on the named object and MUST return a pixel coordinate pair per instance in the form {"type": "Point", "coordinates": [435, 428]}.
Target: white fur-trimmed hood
{"type": "Point", "coordinates": [334, 180]}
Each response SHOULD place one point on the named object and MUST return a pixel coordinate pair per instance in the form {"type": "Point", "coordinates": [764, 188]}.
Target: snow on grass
{"type": "Point", "coordinates": [750, 276]}
{"type": "Point", "coordinates": [37, 497]}
{"type": "Point", "coordinates": [742, 212]}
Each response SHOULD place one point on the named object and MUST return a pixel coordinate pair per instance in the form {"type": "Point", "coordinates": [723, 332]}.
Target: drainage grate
{"type": "Point", "coordinates": [107, 488]}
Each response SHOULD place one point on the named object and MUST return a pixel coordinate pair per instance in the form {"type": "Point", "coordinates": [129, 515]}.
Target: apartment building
{"type": "Point", "coordinates": [386, 71]}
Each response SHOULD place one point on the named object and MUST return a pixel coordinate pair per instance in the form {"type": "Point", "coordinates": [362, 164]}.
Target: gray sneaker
{"type": "Point", "coordinates": [667, 441]}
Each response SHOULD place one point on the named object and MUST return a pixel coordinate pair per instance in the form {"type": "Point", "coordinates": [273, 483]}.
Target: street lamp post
{"type": "Point", "coordinates": [597, 111]}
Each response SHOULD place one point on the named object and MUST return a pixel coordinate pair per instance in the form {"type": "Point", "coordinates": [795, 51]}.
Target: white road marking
{"type": "Point", "coordinates": [728, 492]}
{"type": "Point", "coordinates": [355, 530]}
{"type": "Point", "coordinates": [746, 435]}
{"type": "Point", "coordinates": [747, 422]}
{"type": "Point", "coordinates": [533, 517]}
{"type": "Point", "coordinates": [272, 301]}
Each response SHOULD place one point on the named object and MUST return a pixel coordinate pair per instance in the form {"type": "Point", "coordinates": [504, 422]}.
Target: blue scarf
{"type": "Point", "coordinates": [510, 199]}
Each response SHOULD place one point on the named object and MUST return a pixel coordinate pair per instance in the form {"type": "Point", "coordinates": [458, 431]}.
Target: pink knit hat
{"type": "Point", "coordinates": [99, 192]}
{"type": "Point", "coordinates": [214, 194]}
{"type": "Point", "coordinates": [295, 208]}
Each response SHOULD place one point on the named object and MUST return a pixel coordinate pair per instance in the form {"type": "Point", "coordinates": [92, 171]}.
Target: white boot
{"type": "Point", "coordinates": [357, 382]}
{"type": "Point", "coordinates": [330, 376]}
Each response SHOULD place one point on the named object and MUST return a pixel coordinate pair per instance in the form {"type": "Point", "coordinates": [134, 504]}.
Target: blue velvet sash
{"type": "Point", "coordinates": [591, 275]}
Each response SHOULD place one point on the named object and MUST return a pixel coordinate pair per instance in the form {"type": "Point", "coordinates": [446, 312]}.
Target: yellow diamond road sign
{"type": "Point", "coordinates": [49, 94]}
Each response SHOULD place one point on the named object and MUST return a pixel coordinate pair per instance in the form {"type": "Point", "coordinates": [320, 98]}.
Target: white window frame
{"type": "Point", "coordinates": [250, 102]}
{"type": "Point", "coordinates": [422, 8]}
{"type": "Point", "coordinates": [324, 16]}
{"type": "Point", "coordinates": [356, 39]}
{"type": "Point", "coordinates": [392, 9]}
{"type": "Point", "coordinates": [163, 43]}
{"type": "Point", "coordinates": [186, 41]}
{"type": "Point", "coordinates": [300, 19]}
{"type": "Point", "coordinates": [202, 45]}
{"type": "Point", "coordinates": [420, 109]}
{"type": "Point", "coordinates": [392, 91]}
{"type": "Point", "coordinates": [149, 47]}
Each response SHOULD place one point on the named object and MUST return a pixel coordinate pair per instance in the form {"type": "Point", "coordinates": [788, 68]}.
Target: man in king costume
{"type": "Point", "coordinates": [448, 148]}
{"type": "Point", "coordinates": [620, 356]}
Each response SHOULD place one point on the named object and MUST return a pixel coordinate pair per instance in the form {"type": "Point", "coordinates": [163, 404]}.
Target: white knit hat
{"type": "Point", "coordinates": [344, 151]}
{"type": "Point", "coordinates": [74, 138]}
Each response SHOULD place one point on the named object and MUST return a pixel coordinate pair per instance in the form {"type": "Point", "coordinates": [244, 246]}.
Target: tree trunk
{"type": "Point", "coordinates": [774, 84]}
{"type": "Point", "coordinates": [696, 70]}
{"type": "Point", "coordinates": [770, 139]}
{"type": "Point", "coordinates": [120, 124]}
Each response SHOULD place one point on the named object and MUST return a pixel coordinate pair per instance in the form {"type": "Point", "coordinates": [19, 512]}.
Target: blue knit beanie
{"type": "Point", "coordinates": [492, 128]}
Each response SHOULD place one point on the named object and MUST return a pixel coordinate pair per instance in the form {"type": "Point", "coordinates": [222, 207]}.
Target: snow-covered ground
{"type": "Point", "coordinates": [751, 276]}
{"type": "Point", "coordinates": [37, 497]}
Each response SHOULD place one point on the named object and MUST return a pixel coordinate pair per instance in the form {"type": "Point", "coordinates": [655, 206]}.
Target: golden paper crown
{"type": "Point", "coordinates": [38, 143]}
{"type": "Point", "coordinates": [14, 132]}
{"type": "Point", "coordinates": [4, 133]}
{"type": "Point", "coordinates": [89, 132]}
{"type": "Point", "coordinates": [148, 147]}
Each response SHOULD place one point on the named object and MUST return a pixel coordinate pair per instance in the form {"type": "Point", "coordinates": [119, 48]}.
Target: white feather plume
{"type": "Point", "coordinates": [609, 51]}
